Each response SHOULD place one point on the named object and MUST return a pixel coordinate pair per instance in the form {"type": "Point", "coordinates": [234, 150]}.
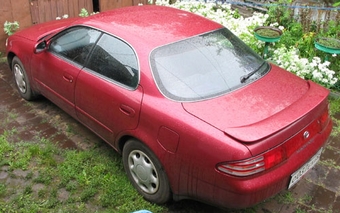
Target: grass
{"type": "Point", "coordinates": [3, 58]}
{"type": "Point", "coordinates": [69, 180]}
{"type": "Point", "coordinates": [335, 109]}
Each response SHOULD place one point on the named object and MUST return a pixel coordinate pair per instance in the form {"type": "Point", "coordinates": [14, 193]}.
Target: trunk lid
{"type": "Point", "coordinates": [263, 107]}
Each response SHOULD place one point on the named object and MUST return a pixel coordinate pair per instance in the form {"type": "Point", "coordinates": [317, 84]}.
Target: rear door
{"type": "Point", "coordinates": [57, 69]}
{"type": "Point", "coordinates": [107, 94]}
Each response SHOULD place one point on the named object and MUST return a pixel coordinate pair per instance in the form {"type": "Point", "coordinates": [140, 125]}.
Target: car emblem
{"type": "Point", "coordinates": [306, 135]}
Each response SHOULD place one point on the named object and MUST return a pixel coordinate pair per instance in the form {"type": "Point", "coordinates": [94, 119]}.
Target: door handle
{"type": "Point", "coordinates": [127, 110]}
{"type": "Point", "coordinates": [68, 78]}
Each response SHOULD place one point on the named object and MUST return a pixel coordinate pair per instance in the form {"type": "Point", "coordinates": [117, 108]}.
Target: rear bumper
{"type": "Point", "coordinates": [238, 193]}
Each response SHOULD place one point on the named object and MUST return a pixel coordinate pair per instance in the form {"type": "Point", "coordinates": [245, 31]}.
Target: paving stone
{"type": "Point", "coordinates": [5, 92]}
{"type": "Point", "coordinates": [334, 142]}
{"type": "Point", "coordinates": [330, 154]}
{"type": "Point", "coordinates": [20, 173]}
{"type": "Point", "coordinates": [41, 127]}
{"type": "Point", "coordinates": [304, 190]}
{"type": "Point", "coordinates": [25, 136]}
{"type": "Point", "coordinates": [3, 175]}
{"type": "Point", "coordinates": [323, 198]}
{"type": "Point", "coordinates": [336, 206]}
{"type": "Point", "coordinates": [18, 105]}
{"type": "Point", "coordinates": [332, 182]}
{"type": "Point", "coordinates": [23, 118]}
{"type": "Point", "coordinates": [317, 174]}
{"type": "Point", "coordinates": [305, 209]}
{"type": "Point", "coordinates": [63, 194]}
{"type": "Point", "coordinates": [64, 142]}
{"type": "Point", "coordinates": [49, 133]}
{"type": "Point", "coordinates": [270, 206]}
{"type": "Point", "coordinates": [9, 99]}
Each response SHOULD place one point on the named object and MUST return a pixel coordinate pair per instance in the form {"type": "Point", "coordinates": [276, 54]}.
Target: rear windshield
{"type": "Point", "coordinates": [205, 66]}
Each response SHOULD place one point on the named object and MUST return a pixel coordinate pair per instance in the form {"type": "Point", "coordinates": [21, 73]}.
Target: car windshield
{"type": "Point", "coordinates": [205, 66]}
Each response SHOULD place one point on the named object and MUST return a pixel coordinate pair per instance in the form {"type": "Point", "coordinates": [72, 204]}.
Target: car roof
{"type": "Point", "coordinates": [158, 25]}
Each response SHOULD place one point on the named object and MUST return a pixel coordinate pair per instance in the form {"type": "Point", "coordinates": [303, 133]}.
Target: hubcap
{"type": "Point", "coordinates": [20, 78]}
{"type": "Point", "coordinates": [143, 171]}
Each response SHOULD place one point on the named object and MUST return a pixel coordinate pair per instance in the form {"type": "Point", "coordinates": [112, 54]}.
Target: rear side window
{"type": "Point", "coordinates": [75, 43]}
{"type": "Point", "coordinates": [115, 60]}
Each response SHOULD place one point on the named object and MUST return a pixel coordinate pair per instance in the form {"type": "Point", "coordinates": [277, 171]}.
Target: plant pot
{"type": "Point", "coordinates": [328, 45]}
{"type": "Point", "coordinates": [268, 34]}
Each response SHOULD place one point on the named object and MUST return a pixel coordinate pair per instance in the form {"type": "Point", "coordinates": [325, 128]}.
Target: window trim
{"type": "Point", "coordinates": [85, 69]}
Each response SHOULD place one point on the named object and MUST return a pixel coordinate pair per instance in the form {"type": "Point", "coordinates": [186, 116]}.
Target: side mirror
{"type": "Point", "coordinates": [40, 47]}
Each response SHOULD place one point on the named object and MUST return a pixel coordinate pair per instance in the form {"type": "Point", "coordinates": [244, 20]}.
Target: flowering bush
{"type": "Point", "coordinates": [315, 70]}
{"type": "Point", "coordinates": [11, 27]}
{"type": "Point", "coordinates": [289, 59]}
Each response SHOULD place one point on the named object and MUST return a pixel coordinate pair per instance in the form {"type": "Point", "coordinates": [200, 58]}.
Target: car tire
{"type": "Point", "coordinates": [145, 172]}
{"type": "Point", "coordinates": [21, 80]}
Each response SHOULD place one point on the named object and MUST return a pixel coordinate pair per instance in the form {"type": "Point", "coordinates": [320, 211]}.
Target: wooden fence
{"type": "Point", "coordinates": [30, 12]}
{"type": "Point", "coordinates": [47, 10]}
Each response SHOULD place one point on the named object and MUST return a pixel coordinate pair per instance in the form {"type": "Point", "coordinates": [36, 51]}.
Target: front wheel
{"type": "Point", "coordinates": [145, 172]}
{"type": "Point", "coordinates": [21, 80]}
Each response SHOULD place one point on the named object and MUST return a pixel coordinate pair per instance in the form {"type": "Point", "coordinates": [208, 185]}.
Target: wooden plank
{"type": "Point", "coordinates": [105, 5]}
{"type": "Point", "coordinates": [75, 7]}
{"type": "Point", "coordinates": [34, 7]}
{"type": "Point", "coordinates": [5, 6]}
{"type": "Point", "coordinates": [53, 13]}
{"type": "Point", "coordinates": [21, 13]}
{"type": "Point", "coordinates": [70, 8]}
{"type": "Point", "coordinates": [255, 6]}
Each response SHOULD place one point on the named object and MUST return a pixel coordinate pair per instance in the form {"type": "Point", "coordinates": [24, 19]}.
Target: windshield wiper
{"type": "Point", "coordinates": [246, 77]}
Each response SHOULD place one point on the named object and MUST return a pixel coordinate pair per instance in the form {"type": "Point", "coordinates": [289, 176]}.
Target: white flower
{"type": "Point", "coordinates": [243, 28]}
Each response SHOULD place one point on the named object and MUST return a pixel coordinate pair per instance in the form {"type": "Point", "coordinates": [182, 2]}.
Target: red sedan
{"type": "Point", "coordinates": [194, 112]}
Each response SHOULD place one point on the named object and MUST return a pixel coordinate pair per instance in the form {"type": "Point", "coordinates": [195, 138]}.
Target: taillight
{"type": "Point", "coordinates": [243, 168]}
{"type": "Point", "coordinates": [253, 165]}
{"type": "Point", "coordinates": [324, 119]}
{"type": "Point", "coordinates": [277, 155]}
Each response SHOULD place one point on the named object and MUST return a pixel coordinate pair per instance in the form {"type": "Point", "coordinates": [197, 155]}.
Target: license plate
{"type": "Point", "coordinates": [296, 176]}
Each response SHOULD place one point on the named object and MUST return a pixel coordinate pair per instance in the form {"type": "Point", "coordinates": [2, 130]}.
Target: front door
{"type": "Point", "coordinates": [56, 70]}
{"type": "Point", "coordinates": [107, 95]}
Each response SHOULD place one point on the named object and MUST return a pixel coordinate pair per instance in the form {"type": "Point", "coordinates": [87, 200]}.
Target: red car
{"type": "Point", "coordinates": [194, 112]}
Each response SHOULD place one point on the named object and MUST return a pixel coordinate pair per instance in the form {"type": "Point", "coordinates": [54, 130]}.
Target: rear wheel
{"type": "Point", "coordinates": [145, 172]}
{"type": "Point", "coordinates": [21, 79]}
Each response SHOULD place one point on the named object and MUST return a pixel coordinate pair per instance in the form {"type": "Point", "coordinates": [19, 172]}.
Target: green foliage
{"type": "Point", "coordinates": [279, 14]}
{"type": "Point", "coordinates": [3, 189]}
{"type": "Point", "coordinates": [306, 45]}
{"type": "Point", "coordinates": [3, 58]}
{"type": "Point", "coordinates": [334, 108]}
{"type": "Point", "coordinates": [11, 27]}
{"type": "Point", "coordinates": [91, 178]}
{"type": "Point", "coordinates": [286, 197]}
{"type": "Point", "coordinates": [83, 13]}
{"type": "Point", "coordinates": [302, 35]}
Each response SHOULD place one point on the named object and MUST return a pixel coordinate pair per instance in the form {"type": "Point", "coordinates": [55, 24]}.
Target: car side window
{"type": "Point", "coordinates": [115, 60]}
{"type": "Point", "coordinates": [75, 43]}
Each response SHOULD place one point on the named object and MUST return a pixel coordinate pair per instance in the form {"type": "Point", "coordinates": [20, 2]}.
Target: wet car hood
{"type": "Point", "coordinates": [261, 108]}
